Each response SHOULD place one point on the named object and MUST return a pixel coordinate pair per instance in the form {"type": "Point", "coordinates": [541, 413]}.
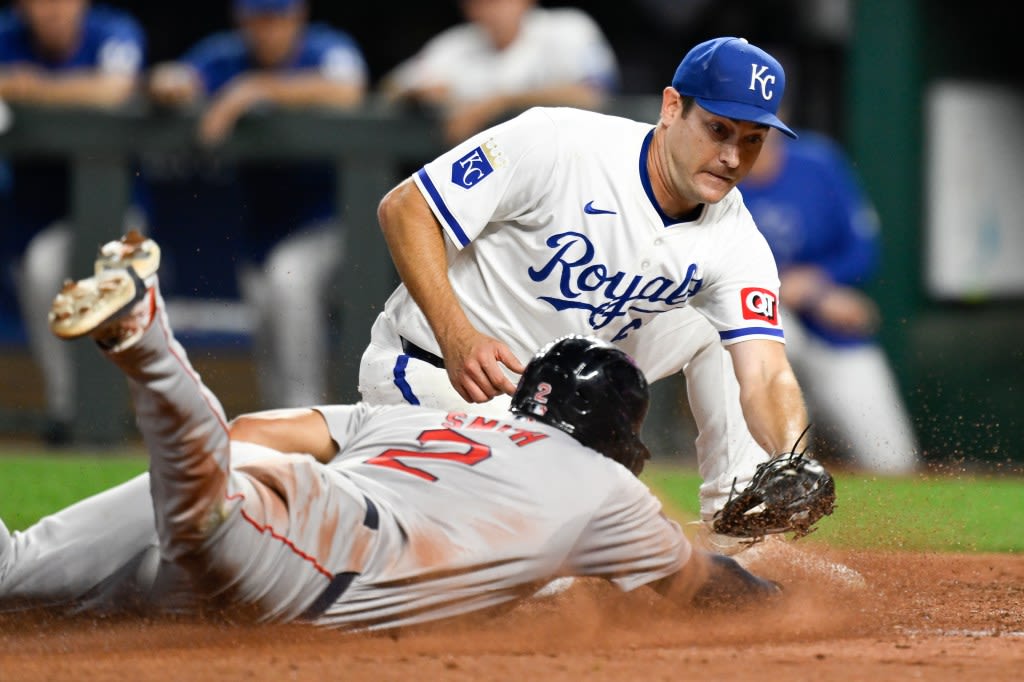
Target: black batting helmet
{"type": "Point", "coordinates": [591, 390]}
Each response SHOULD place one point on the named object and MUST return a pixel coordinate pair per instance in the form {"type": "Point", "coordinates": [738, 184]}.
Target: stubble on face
{"type": "Point", "coordinates": [698, 158]}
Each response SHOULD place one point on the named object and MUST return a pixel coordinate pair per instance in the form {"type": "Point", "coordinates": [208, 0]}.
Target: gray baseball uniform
{"type": "Point", "coordinates": [424, 514]}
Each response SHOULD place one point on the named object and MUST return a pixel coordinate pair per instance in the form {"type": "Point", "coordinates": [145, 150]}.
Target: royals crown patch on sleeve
{"type": "Point", "coordinates": [469, 170]}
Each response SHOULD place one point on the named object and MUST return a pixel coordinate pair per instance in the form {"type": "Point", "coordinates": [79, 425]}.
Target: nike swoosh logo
{"type": "Point", "coordinates": [589, 208]}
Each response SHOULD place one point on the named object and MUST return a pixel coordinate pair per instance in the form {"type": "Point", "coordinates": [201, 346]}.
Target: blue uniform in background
{"type": "Point", "coordinates": [276, 222]}
{"type": "Point", "coordinates": [36, 238]}
{"type": "Point", "coordinates": [816, 212]}
{"type": "Point", "coordinates": [279, 196]}
{"type": "Point", "coordinates": [112, 41]}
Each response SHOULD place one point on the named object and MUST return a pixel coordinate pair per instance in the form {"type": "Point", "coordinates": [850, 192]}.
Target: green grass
{"type": "Point", "coordinates": [32, 486]}
{"type": "Point", "coordinates": [963, 513]}
{"type": "Point", "coordinates": [943, 514]}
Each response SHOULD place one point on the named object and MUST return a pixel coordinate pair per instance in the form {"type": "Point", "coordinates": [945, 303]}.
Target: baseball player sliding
{"type": "Point", "coordinates": [355, 530]}
{"type": "Point", "coordinates": [563, 221]}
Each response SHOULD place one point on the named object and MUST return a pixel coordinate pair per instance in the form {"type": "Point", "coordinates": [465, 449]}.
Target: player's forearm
{"type": "Point", "coordinates": [300, 431]}
{"type": "Point", "coordinates": [775, 412]}
{"type": "Point", "coordinates": [95, 90]}
{"type": "Point", "coordinates": [770, 396]}
{"type": "Point", "coordinates": [305, 89]}
{"type": "Point", "coordinates": [570, 95]}
{"type": "Point", "coordinates": [415, 240]}
{"type": "Point", "coordinates": [174, 83]}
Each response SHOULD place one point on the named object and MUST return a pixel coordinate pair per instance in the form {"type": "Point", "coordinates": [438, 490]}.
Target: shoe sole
{"type": "Point", "coordinates": [132, 250]}
{"type": "Point", "coordinates": [83, 306]}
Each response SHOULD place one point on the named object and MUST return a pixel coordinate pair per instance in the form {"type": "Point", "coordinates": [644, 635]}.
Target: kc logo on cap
{"type": "Point", "coordinates": [732, 78]}
{"type": "Point", "coordinates": [759, 76]}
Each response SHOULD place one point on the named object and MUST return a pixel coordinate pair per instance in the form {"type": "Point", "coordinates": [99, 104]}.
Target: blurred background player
{"type": "Point", "coordinates": [56, 53]}
{"type": "Point", "coordinates": [509, 56]}
{"type": "Point", "coordinates": [808, 202]}
{"type": "Point", "coordinates": [291, 241]}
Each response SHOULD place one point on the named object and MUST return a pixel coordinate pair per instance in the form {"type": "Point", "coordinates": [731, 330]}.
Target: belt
{"type": "Point", "coordinates": [414, 351]}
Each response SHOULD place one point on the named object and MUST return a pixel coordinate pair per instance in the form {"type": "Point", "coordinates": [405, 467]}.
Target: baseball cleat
{"type": "Point", "coordinates": [773, 551]}
{"type": "Point", "coordinates": [84, 306]}
{"type": "Point", "coordinates": [132, 250]}
{"type": "Point", "coordinates": [729, 584]}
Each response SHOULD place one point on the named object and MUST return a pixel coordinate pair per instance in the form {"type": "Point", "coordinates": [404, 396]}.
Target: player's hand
{"type": "Point", "coordinates": [173, 84]}
{"type": "Point", "coordinates": [848, 311]}
{"type": "Point", "coordinates": [842, 309]}
{"type": "Point", "coordinates": [20, 83]}
{"type": "Point", "coordinates": [802, 285]}
{"type": "Point", "coordinates": [474, 367]}
{"type": "Point", "coordinates": [223, 113]}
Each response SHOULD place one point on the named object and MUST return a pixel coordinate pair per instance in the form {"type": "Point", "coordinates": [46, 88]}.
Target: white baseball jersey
{"type": "Point", "coordinates": [554, 229]}
{"type": "Point", "coordinates": [554, 46]}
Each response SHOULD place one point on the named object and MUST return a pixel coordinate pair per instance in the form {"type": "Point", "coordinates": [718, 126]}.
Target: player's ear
{"type": "Point", "coordinates": [671, 105]}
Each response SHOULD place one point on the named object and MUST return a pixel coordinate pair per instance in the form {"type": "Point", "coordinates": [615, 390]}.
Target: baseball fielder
{"type": "Point", "coordinates": [564, 221]}
{"type": "Point", "coordinates": [369, 541]}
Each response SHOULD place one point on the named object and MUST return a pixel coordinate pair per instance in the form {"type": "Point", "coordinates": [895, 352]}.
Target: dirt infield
{"type": "Point", "coordinates": [919, 616]}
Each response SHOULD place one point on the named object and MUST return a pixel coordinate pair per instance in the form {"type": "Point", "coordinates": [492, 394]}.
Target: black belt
{"type": "Point", "coordinates": [414, 351]}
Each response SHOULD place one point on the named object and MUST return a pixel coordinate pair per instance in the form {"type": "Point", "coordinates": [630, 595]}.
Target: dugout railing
{"type": "Point", "coordinates": [370, 145]}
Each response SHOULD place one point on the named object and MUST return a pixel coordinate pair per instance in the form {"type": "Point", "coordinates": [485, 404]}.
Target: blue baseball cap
{"type": "Point", "coordinates": [732, 78]}
{"type": "Point", "coordinates": [265, 6]}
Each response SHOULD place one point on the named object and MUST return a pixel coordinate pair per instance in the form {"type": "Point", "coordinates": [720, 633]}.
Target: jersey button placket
{"type": "Point", "coordinates": [655, 253]}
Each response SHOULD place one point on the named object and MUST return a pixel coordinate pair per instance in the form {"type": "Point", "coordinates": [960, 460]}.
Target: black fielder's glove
{"type": "Point", "coordinates": [788, 493]}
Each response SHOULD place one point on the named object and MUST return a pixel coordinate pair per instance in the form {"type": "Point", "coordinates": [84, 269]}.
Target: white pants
{"type": "Point", "coordinates": [289, 296]}
{"type": "Point", "coordinates": [854, 402]}
{"type": "Point", "coordinates": [726, 452]}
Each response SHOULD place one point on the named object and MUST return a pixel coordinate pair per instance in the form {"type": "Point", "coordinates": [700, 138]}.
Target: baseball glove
{"type": "Point", "coordinates": [788, 493]}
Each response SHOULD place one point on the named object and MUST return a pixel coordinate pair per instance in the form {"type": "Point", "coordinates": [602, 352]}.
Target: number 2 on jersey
{"type": "Point", "coordinates": [477, 453]}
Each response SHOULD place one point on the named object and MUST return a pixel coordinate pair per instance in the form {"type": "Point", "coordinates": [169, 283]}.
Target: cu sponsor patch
{"type": "Point", "coordinates": [476, 165]}
{"type": "Point", "coordinates": [760, 304]}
